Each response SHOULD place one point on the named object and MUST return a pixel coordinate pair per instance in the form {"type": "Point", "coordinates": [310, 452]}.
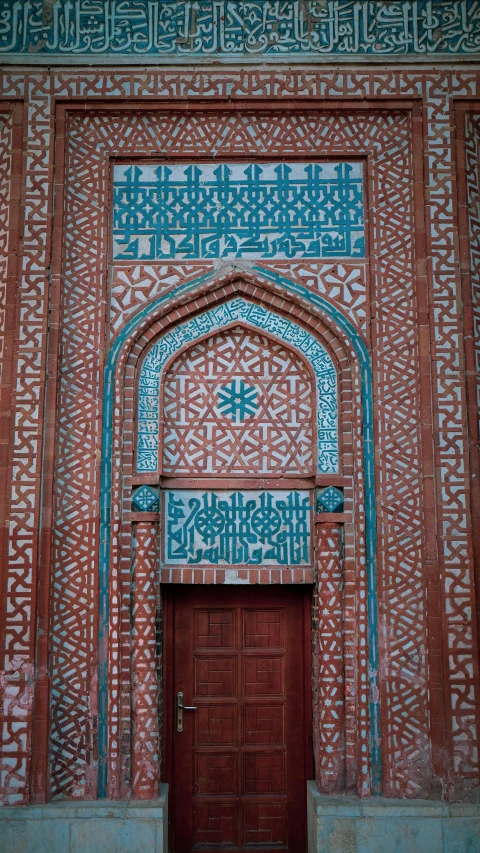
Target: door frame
{"type": "Point", "coordinates": [167, 710]}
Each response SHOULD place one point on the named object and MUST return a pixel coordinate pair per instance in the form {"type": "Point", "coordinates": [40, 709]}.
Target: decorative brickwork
{"type": "Point", "coordinates": [146, 746]}
{"type": "Point", "coordinates": [327, 662]}
{"type": "Point", "coordinates": [239, 403]}
{"type": "Point", "coordinates": [406, 310]}
{"type": "Point", "coordinates": [297, 134]}
{"type": "Point", "coordinates": [288, 449]}
{"type": "Point", "coordinates": [27, 403]}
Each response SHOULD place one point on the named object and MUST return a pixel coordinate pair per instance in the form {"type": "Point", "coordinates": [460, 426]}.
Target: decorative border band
{"type": "Point", "coordinates": [232, 30]}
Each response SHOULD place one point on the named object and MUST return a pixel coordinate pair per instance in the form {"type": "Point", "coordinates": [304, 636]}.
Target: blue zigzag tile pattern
{"type": "Point", "coordinates": [259, 317]}
{"type": "Point", "coordinates": [235, 210]}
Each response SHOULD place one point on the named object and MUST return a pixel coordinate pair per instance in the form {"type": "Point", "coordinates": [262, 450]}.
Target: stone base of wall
{"type": "Point", "coordinates": [351, 825]}
{"type": "Point", "coordinates": [95, 827]}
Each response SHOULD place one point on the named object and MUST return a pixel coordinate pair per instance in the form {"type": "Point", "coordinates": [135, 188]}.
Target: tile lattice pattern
{"type": "Point", "coordinates": [238, 403]}
{"type": "Point", "coordinates": [189, 444]}
{"type": "Point", "coordinates": [237, 528]}
{"type": "Point", "coordinates": [272, 210]}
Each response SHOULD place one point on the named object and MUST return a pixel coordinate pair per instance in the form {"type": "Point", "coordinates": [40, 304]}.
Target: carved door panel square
{"type": "Point", "coordinates": [263, 676]}
{"type": "Point", "coordinates": [215, 825]}
{"type": "Point", "coordinates": [214, 629]}
{"type": "Point", "coordinates": [215, 774]}
{"type": "Point", "coordinates": [263, 725]}
{"type": "Point", "coordinates": [216, 724]}
{"type": "Point", "coordinates": [265, 824]}
{"type": "Point", "coordinates": [215, 677]}
{"type": "Point", "coordinates": [263, 629]}
{"type": "Point", "coordinates": [238, 767]}
{"type": "Point", "coordinates": [264, 773]}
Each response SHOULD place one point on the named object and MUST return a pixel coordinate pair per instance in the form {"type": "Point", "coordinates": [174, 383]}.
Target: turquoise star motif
{"type": "Point", "coordinates": [237, 400]}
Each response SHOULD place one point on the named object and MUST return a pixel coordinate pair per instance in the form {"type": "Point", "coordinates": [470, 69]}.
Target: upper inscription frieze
{"type": "Point", "coordinates": [156, 30]}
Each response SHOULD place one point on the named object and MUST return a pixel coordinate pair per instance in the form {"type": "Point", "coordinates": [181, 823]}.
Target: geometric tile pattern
{"type": "Point", "coordinates": [134, 284]}
{"type": "Point", "coordinates": [236, 528]}
{"type": "Point", "coordinates": [329, 500]}
{"type": "Point", "coordinates": [145, 499]}
{"type": "Point", "coordinates": [26, 406]}
{"type": "Point", "coordinates": [182, 437]}
{"type": "Point", "coordinates": [472, 330]}
{"type": "Point", "coordinates": [238, 403]}
{"type": "Point", "coordinates": [403, 572]}
{"type": "Point", "coordinates": [5, 175]}
{"type": "Point", "coordinates": [342, 283]}
{"type": "Point", "coordinates": [256, 30]}
{"type": "Point", "coordinates": [453, 451]}
{"type": "Point", "coordinates": [328, 661]}
{"type": "Point", "coordinates": [236, 211]}
{"type": "Point", "coordinates": [145, 746]}
{"type": "Point", "coordinates": [13, 694]}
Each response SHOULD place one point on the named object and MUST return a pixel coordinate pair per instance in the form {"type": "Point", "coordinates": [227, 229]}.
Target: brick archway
{"type": "Point", "coordinates": [127, 356]}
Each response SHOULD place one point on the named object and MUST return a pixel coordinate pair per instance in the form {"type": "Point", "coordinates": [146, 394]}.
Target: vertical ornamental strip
{"type": "Point", "coordinates": [145, 757]}
{"type": "Point", "coordinates": [327, 659]}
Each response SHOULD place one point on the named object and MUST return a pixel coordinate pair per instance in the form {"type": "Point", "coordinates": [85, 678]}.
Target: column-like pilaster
{"type": "Point", "coordinates": [146, 746]}
{"type": "Point", "coordinates": [328, 663]}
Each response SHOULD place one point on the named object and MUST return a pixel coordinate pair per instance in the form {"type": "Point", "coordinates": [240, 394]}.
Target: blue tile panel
{"type": "Point", "coordinates": [235, 210]}
{"type": "Point", "coordinates": [211, 321]}
{"type": "Point", "coordinates": [145, 499]}
{"type": "Point", "coordinates": [238, 29]}
{"type": "Point", "coordinates": [330, 500]}
{"type": "Point", "coordinates": [236, 528]}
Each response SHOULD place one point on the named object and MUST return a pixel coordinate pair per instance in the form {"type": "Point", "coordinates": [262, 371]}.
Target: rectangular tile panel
{"type": "Point", "coordinates": [238, 210]}
{"type": "Point", "coordinates": [225, 528]}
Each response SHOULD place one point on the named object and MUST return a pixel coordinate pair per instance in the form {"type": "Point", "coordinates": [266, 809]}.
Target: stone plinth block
{"type": "Point", "coordinates": [102, 826]}
{"type": "Point", "coordinates": [377, 825]}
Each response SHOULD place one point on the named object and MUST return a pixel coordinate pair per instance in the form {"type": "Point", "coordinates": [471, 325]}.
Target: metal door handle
{"type": "Point", "coordinates": [180, 709]}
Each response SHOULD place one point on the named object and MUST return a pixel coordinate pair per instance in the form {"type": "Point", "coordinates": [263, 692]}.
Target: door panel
{"type": "Point", "coordinates": [238, 769]}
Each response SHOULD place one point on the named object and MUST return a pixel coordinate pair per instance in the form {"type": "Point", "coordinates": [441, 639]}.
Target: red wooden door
{"type": "Point", "coordinates": [238, 769]}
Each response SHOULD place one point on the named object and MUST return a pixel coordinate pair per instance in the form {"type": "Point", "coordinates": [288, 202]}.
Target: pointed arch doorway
{"type": "Point", "coordinates": [238, 439]}
{"type": "Point", "coordinates": [188, 384]}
